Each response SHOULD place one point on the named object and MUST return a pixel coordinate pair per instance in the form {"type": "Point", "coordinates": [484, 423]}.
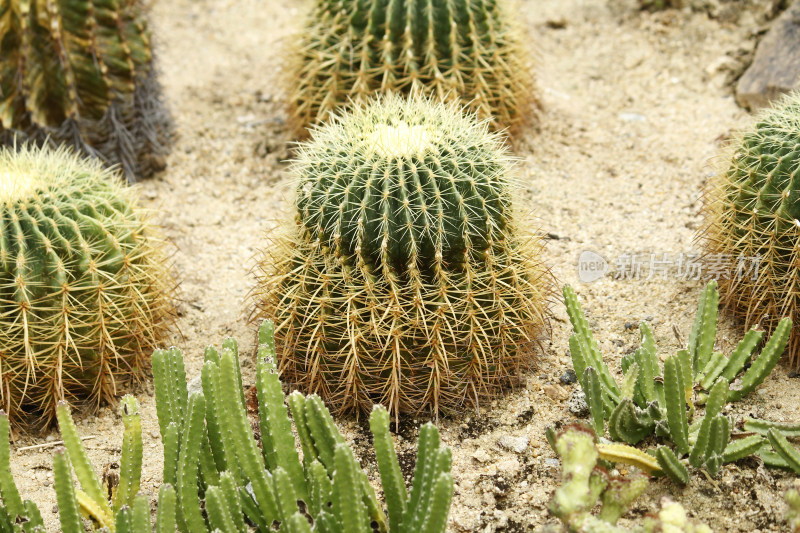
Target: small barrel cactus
{"type": "Point", "coordinates": [406, 280]}
{"type": "Point", "coordinates": [80, 73]}
{"type": "Point", "coordinates": [84, 290]}
{"type": "Point", "coordinates": [752, 220]}
{"type": "Point", "coordinates": [463, 50]}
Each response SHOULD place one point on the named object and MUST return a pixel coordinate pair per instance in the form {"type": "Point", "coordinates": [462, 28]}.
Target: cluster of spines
{"type": "Point", "coordinates": [462, 50]}
{"type": "Point", "coordinates": [752, 208]}
{"type": "Point", "coordinates": [651, 400]}
{"type": "Point", "coordinates": [80, 72]}
{"type": "Point", "coordinates": [405, 183]}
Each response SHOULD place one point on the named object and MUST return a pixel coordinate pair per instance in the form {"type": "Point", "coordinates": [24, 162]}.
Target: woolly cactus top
{"type": "Point", "coordinates": [31, 173]}
{"type": "Point", "coordinates": [403, 183]}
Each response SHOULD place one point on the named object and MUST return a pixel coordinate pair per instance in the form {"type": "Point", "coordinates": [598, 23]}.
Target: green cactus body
{"type": "Point", "coordinates": [406, 280]}
{"type": "Point", "coordinates": [84, 290]}
{"type": "Point", "coordinates": [458, 50]}
{"type": "Point", "coordinates": [752, 210]}
{"type": "Point", "coordinates": [80, 72]}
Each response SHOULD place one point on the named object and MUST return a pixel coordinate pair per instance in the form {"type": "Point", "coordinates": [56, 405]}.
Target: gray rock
{"type": "Point", "coordinates": [577, 404]}
{"type": "Point", "coordinates": [776, 66]}
{"type": "Point", "coordinates": [514, 444]}
{"type": "Point", "coordinates": [568, 377]}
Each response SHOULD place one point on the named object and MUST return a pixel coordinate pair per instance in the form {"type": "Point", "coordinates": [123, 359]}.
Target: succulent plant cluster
{"type": "Point", "coordinates": [208, 440]}
{"type": "Point", "coordinates": [85, 293]}
{"type": "Point", "coordinates": [458, 50]}
{"type": "Point", "coordinates": [80, 72]}
{"type": "Point", "coordinates": [407, 279]}
{"type": "Point", "coordinates": [218, 479]}
{"type": "Point", "coordinates": [585, 483]}
{"type": "Point", "coordinates": [752, 211]}
{"type": "Point", "coordinates": [652, 400]}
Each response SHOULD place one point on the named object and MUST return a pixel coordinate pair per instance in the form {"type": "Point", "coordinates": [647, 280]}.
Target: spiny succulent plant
{"type": "Point", "coordinates": [407, 279]}
{"type": "Point", "coordinates": [462, 50]}
{"type": "Point", "coordinates": [662, 401]}
{"type": "Point", "coordinates": [585, 482]}
{"type": "Point", "coordinates": [112, 505]}
{"type": "Point", "coordinates": [84, 287]}
{"type": "Point", "coordinates": [209, 443]}
{"type": "Point", "coordinates": [217, 478]}
{"type": "Point", "coordinates": [793, 511]}
{"type": "Point", "coordinates": [15, 515]}
{"type": "Point", "coordinates": [81, 73]}
{"type": "Point", "coordinates": [752, 210]}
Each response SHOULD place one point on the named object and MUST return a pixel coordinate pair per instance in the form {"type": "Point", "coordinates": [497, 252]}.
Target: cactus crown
{"type": "Point", "coordinates": [33, 176]}
{"type": "Point", "coordinates": [84, 290]}
{"type": "Point", "coordinates": [405, 183]}
{"type": "Point", "coordinates": [80, 72]}
{"type": "Point", "coordinates": [449, 49]}
{"type": "Point", "coordinates": [752, 210]}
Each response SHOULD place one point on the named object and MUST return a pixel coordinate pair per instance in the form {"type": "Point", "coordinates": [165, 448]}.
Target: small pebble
{"type": "Point", "coordinates": [568, 377]}
{"type": "Point", "coordinates": [632, 117]}
{"type": "Point", "coordinates": [481, 456]}
{"type": "Point", "coordinates": [577, 404]}
{"type": "Point", "coordinates": [196, 385]}
{"type": "Point", "coordinates": [553, 392]}
{"type": "Point", "coordinates": [514, 444]}
{"type": "Point", "coordinates": [551, 461]}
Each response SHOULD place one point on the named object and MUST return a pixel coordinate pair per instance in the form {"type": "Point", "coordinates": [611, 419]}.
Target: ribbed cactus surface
{"type": "Point", "coordinates": [80, 72]}
{"type": "Point", "coordinates": [467, 50]}
{"type": "Point", "coordinates": [753, 214]}
{"type": "Point", "coordinates": [83, 283]}
{"type": "Point", "coordinates": [407, 279]}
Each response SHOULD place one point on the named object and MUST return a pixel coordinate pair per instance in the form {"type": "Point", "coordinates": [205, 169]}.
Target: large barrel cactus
{"type": "Point", "coordinates": [753, 220]}
{"type": "Point", "coordinates": [466, 50]}
{"type": "Point", "coordinates": [84, 291]}
{"type": "Point", "coordinates": [406, 280]}
{"type": "Point", "coordinates": [80, 72]}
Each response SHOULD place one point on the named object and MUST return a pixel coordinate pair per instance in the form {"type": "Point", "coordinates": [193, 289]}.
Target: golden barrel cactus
{"type": "Point", "coordinates": [80, 73]}
{"type": "Point", "coordinates": [752, 221]}
{"type": "Point", "coordinates": [407, 278]}
{"type": "Point", "coordinates": [463, 50]}
{"type": "Point", "coordinates": [84, 286]}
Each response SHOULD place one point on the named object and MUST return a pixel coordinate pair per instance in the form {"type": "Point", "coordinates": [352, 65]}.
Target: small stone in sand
{"type": "Point", "coordinates": [577, 404]}
{"type": "Point", "coordinates": [514, 444]}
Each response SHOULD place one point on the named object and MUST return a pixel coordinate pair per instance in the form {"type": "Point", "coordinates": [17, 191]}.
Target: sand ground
{"type": "Point", "coordinates": [637, 106]}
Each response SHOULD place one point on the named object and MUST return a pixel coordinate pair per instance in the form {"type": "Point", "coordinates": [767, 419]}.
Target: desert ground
{"type": "Point", "coordinates": [637, 108]}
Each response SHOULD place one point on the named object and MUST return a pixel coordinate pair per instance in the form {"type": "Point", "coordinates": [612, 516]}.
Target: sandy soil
{"type": "Point", "coordinates": [637, 105]}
